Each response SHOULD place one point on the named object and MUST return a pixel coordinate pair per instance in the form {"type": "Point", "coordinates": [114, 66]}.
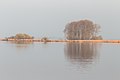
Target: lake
{"type": "Point", "coordinates": [59, 61]}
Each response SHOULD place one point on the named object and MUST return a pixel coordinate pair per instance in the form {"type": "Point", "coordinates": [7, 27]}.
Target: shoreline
{"type": "Point", "coordinates": [50, 40]}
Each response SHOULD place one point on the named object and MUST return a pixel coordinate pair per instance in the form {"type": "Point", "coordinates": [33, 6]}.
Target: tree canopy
{"type": "Point", "coordinates": [82, 30]}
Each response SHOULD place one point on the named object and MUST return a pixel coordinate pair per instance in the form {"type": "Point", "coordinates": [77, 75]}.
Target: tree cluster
{"type": "Point", "coordinates": [82, 30]}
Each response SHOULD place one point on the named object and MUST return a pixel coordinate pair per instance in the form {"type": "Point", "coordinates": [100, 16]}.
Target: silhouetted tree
{"type": "Point", "coordinates": [82, 30]}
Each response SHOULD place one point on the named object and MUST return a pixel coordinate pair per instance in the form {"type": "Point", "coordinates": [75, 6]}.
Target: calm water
{"type": "Point", "coordinates": [59, 61]}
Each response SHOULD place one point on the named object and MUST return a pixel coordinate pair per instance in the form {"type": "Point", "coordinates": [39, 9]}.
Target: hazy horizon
{"type": "Point", "coordinates": [49, 17]}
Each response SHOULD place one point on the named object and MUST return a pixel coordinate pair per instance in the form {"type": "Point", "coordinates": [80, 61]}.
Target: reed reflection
{"type": "Point", "coordinates": [81, 52]}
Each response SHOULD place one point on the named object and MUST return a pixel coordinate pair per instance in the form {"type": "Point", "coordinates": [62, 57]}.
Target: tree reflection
{"type": "Point", "coordinates": [81, 52]}
{"type": "Point", "coordinates": [21, 44]}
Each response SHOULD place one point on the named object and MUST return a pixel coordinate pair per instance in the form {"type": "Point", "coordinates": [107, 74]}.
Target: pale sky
{"type": "Point", "coordinates": [49, 17]}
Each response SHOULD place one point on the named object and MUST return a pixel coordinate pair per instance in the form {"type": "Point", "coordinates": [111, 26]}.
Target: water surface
{"type": "Point", "coordinates": [59, 61]}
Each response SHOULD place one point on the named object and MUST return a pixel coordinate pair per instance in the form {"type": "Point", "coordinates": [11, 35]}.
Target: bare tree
{"type": "Point", "coordinates": [81, 30]}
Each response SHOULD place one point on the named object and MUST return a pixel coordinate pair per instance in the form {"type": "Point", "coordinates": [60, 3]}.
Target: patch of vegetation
{"type": "Point", "coordinates": [44, 39]}
{"type": "Point", "coordinates": [21, 36]}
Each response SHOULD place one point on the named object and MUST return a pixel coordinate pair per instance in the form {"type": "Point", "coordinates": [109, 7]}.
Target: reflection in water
{"type": "Point", "coordinates": [21, 44]}
{"type": "Point", "coordinates": [81, 53]}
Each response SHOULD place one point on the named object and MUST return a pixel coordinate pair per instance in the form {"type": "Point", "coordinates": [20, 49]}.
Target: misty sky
{"type": "Point", "coordinates": [49, 17]}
